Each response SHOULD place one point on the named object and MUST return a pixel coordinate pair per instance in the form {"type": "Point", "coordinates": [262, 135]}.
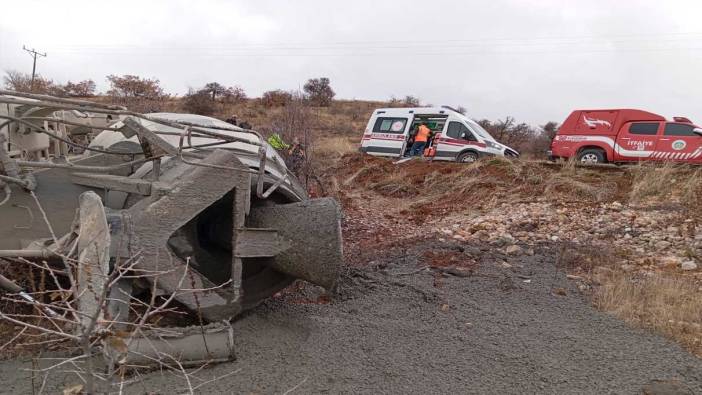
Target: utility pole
{"type": "Point", "coordinates": [33, 53]}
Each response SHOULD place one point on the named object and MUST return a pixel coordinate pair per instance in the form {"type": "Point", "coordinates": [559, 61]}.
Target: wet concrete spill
{"type": "Point", "coordinates": [398, 326]}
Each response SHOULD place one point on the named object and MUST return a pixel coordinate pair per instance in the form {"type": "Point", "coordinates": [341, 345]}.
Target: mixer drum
{"type": "Point", "coordinates": [202, 222]}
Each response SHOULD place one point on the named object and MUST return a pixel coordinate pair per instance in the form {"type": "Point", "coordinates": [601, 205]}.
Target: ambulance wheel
{"type": "Point", "coordinates": [591, 156]}
{"type": "Point", "coordinates": [467, 157]}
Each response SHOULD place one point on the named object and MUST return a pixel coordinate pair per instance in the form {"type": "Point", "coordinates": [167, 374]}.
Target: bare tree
{"type": "Point", "coordinates": [139, 94]}
{"type": "Point", "coordinates": [132, 86]}
{"type": "Point", "coordinates": [85, 88]}
{"type": "Point", "coordinates": [295, 124]}
{"type": "Point", "coordinates": [295, 121]}
{"type": "Point", "coordinates": [412, 101]}
{"type": "Point", "coordinates": [319, 91]}
{"type": "Point", "coordinates": [214, 89]}
{"type": "Point", "coordinates": [542, 141]}
{"type": "Point", "coordinates": [92, 313]}
{"type": "Point", "coordinates": [234, 94]}
{"type": "Point", "coordinates": [18, 81]}
{"type": "Point", "coordinates": [276, 98]}
{"type": "Point", "coordinates": [102, 345]}
{"type": "Point", "coordinates": [407, 101]}
{"type": "Point", "coordinates": [199, 102]}
{"type": "Point", "coordinates": [395, 102]}
{"type": "Point", "coordinates": [521, 136]}
{"type": "Point", "coordinates": [22, 82]}
{"type": "Point", "coordinates": [550, 129]}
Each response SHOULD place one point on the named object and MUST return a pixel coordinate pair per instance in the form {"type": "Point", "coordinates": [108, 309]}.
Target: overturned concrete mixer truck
{"type": "Point", "coordinates": [184, 196]}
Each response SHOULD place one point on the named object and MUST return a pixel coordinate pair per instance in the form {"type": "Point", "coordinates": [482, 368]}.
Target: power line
{"type": "Point", "coordinates": [33, 53]}
{"type": "Point", "coordinates": [534, 40]}
{"type": "Point", "coordinates": [399, 53]}
{"type": "Point", "coordinates": [680, 42]}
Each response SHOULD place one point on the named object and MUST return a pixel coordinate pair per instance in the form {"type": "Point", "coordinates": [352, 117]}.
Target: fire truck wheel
{"type": "Point", "coordinates": [591, 156]}
{"type": "Point", "coordinates": [467, 157]}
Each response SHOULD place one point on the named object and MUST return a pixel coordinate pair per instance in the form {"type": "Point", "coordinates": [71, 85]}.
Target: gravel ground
{"type": "Point", "coordinates": [394, 329]}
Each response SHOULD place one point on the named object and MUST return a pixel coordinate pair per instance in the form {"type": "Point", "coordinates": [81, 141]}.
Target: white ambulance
{"type": "Point", "coordinates": [390, 132]}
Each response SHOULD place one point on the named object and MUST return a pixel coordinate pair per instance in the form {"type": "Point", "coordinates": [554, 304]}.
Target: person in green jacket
{"type": "Point", "coordinates": [277, 142]}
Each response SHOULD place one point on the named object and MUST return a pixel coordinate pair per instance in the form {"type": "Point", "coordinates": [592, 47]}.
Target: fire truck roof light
{"type": "Point", "coordinates": [682, 119]}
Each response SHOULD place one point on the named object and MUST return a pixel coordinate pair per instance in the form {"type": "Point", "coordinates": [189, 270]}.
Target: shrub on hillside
{"type": "Point", "coordinates": [132, 86]}
{"type": "Point", "coordinates": [276, 98]}
{"type": "Point", "coordinates": [412, 101]}
{"type": "Point", "coordinates": [319, 91]}
{"type": "Point", "coordinates": [508, 132]}
{"type": "Point", "coordinates": [233, 95]}
{"type": "Point", "coordinates": [22, 82]}
{"type": "Point", "coordinates": [214, 90]}
{"type": "Point", "coordinates": [221, 93]}
{"type": "Point", "coordinates": [296, 122]}
{"type": "Point", "coordinates": [408, 101]}
{"type": "Point", "coordinates": [522, 137]}
{"type": "Point", "coordinates": [199, 102]}
{"type": "Point", "coordinates": [137, 93]}
{"type": "Point", "coordinates": [85, 88]}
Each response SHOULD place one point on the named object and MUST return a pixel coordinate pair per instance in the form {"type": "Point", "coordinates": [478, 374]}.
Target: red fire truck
{"type": "Point", "coordinates": [598, 136]}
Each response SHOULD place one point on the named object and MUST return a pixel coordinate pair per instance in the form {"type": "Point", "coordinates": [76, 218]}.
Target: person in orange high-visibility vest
{"type": "Point", "coordinates": [420, 140]}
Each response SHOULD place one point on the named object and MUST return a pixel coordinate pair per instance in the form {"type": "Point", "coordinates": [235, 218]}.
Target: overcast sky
{"type": "Point", "coordinates": [535, 60]}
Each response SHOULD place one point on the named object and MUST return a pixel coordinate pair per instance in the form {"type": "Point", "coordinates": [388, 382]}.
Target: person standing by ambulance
{"type": "Point", "coordinates": [421, 139]}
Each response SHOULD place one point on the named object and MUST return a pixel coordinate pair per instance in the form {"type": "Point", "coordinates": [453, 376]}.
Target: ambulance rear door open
{"type": "Point", "coordinates": [435, 122]}
{"type": "Point", "coordinates": [389, 135]}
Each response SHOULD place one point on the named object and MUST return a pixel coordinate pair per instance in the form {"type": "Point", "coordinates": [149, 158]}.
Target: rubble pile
{"type": "Point", "coordinates": [649, 238]}
{"type": "Point", "coordinates": [519, 207]}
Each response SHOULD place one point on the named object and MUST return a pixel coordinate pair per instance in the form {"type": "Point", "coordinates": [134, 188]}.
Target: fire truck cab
{"type": "Point", "coordinates": [625, 135]}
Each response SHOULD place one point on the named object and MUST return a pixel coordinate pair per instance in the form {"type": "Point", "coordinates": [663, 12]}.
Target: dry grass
{"type": "Point", "coordinates": [569, 166]}
{"type": "Point", "coordinates": [396, 186]}
{"type": "Point", "coordinates": [667, 304]}
{"type": "Point", "coordinates": [575, 257]}
{"type": "Point", "coordinates": [341, 118]}
{"type": "Point", "coordinates": [691, 189]}
{"type": "Point", "coordinates": [650, 181]}
{"type": "Point", "coordinates": [335, 147]}
{"type": "Point", "coordinates": [490, 181]}
{"type": "Point", "coordinates": [587, 191]}
{"type": "Point", "coordinates": [669, 183]}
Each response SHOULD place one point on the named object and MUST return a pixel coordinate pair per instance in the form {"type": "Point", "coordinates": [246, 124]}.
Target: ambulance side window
{"type": "Point", "coordinates": [458, 130]}
{"type": "Point", "coordinates": [454, 130]}
{"type": "Point", "coordinates": [679, 129]}
{"type": "Point", "coordinates": [390, 125]}
{"type": "Point", "coordinates": [644, 128]}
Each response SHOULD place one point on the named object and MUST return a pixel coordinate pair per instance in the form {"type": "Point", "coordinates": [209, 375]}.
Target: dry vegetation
{"type": "Point", "coordinates": [668, 304]}
{"type": "Point", "coordinates": [333, 148]}
{"type": "Point", "coordinates": [485, 184]}
{"type": "Point", "coordinates": [345, 117]}
{"type": "Point", "coordinates": [669, 182]}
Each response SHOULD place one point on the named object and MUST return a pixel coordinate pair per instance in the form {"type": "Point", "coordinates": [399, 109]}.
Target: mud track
{"type": "Point", "coordinates": [398, 328]}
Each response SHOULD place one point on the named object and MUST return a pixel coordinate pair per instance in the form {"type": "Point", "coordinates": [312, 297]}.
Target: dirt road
{"type": "Point", "coordinates": [397, 329]}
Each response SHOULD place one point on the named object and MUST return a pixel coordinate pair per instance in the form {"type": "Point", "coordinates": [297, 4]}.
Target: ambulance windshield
{"type": "Point", "coordinates": [479, 130]}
